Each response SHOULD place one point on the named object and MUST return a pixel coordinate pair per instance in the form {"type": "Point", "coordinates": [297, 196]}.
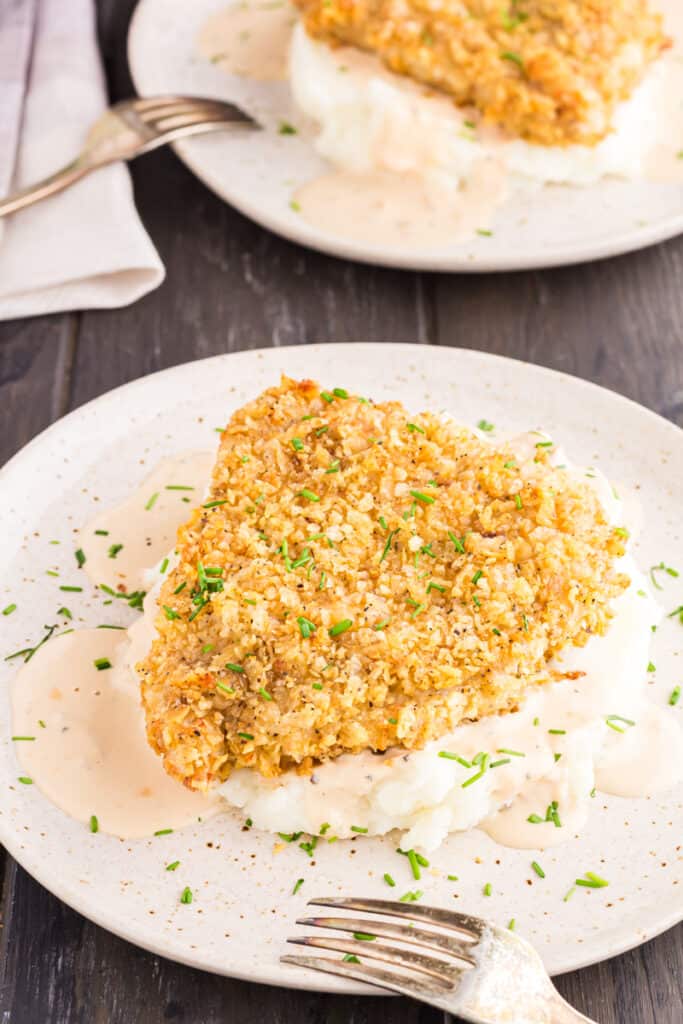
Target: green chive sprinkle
{"type": "Point", "coordinates": [457, 543]}
{"type": "Point", "coordinates": [518, 501]}
{"type": "Point", "coordinates": [101, 664]}
{"type": "Point", "coordinates": [455, 757]}
{"type": "Point", "coordinates": [411, 897]}
{"type": "Point", "coordinates": [163, 832]}
{"type": "Point", "coordinates": [178, 487]}
{"type": "Point", "coordinates": [487, 890]}
{"type": "Point", "coordinates": [173, 865]}
{"type": "Point", "coordinates": [568, 895]}
{"type": "Point", "coordinates": [316, 686]}
{"type": "Point", "coordinates": [224, 688]}
{"type": "Point", "coordinates": [427, 499]}
{"type": "Point", "coordinates": [245, 735]}
{"type": "Point", "coordinates": [538, 869]}
{"type": "Point", "coordinates": [186, 895]}
{"type": "Point", "coordinates": [477, 576]}
{"type": "Point", "coordinates": [512, 753]}
{"type": "Point", "coordinates": [435, 586]}
{"type": "Point", "coordinates": [234, 667]}
{"type": "Point", "coordinates": [309, 495]}
{"type": "Point", "coordinates": [389, 880]}
{"type": "Point", "coordinates": [387, 545]}
{"type": "Point", "coordinates": [485, 426]}
{"type": "Point", "coordinates": [340, 627]}
{"type": "Point", "coordinates": [379, 626]}
{"type": "Point", "coordinates": [114, 550]}
{"type": "Point", "coordinates": [556, 732]}
{"type": "Point", "coordinates": [94, 823]}
{"type": "Point", "coordinates": [297, 885]}
{"type": "Point", "coordinates": [364, 937]}
{"type": "Point", "coordinates": [17, 739]}
{"type": "Point", "coordinates": [150, 505]}
{"type": "Point", "coordinates": [264, 693]}
{"type": "Point", "coordinates": [452, 878]}
{"type": "Point", "coordinates": [306, 627]}
{"type": "Point", "coordinates": [72, 590]}
{"type": "Point", "coordinates": [414, 429]}
{"type": "Point", "coordinates": [675, 696]}
{"type": "Point", "coordinates": [511, 924]}
{"type": "Point", "coordinates": [164, 566]}
{"type": "Point", "coordinates": [214, 504]}
{"type": "Point", "coordinates": [80, 557]}
{"type": "Point", "coordinates": [359, 828]}
{"type": "Point", "coordinates": [297, 444]}
{"type": "Point", "coordinates": [333, 467]}
{"type": "Point", "coordinates": [592, 881]}
{"type": "Point", "coordinates": [535, 819]}
{"type": "Point", "coordinates": [25, 780]}
{"type": "Point", "coordinates": [170, 613]}
{"type": "Point", "coordinates": [349, 958]}
{"type": "Point", "coordinates": [9, 609]}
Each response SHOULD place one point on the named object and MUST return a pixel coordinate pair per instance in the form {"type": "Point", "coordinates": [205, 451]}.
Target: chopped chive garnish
{"type": "Point", "coordinates": [297, 444]}
{"type": "Point", "coordinates": [426, 499]}
{"type": "Point", "coordinates": [323, 577]}
{"type": "Point", "coordinates": [512, 753]}
{"type": "Point", "coordinates": [224, 688]}
{"type": "Point", "coordinates": [568, 895]}
{"type": "Point", "coordinates": [364, 937]}
{"type": "Point", "coordinates": [114, 550]}
{"type": "Point", "coordinates": [334, 467]}
{"type": "Point", "coordinates": [178, 487]}
{"type": "Point", "coordinates": [264, 693]}
{"type": "Point", "coordinates": [181, 587]}
{"type": "Point", "coordinates": [502, 760]}
{"type": "Point", "coordinates": [485, 426]}
{"type": "Point", "coordinates": [170, 613]}
{"type": "Point", "coordinates": [487, 890]}
{"type": "Point", "coordinates": [379, 626]}
{"type": "Point", "coordinates": [80, 557]}
{"type": "Point", "coordinates": [245, 735]}
{"type": "Point", "coordinates": [306, 627]}
{"type": "Point", "coordinates": [72, 590]}
{"type": "Point", "coordinates": [535, 819]}
{"type": "Point", "coordinates": [452, 878]}
{"type": "Point", "coordinates": [94, 823]}
{"type": "Point", "coordinates": [544, 444]}
{"type": "Point", "coordinates": [25, 780]}
{"type": "Point", "coordinates": [297, 885]}
{"type": "Point", "coordinates": [101, 664]}
{"type": "Point", "coordinates": [317, 686]}
{"type": "Point", "coordinates": [496, 631]}
{"type": "Point", "coordinates": [340, 627]}
{"type": "Point", "coordinates": [17, 739]}
{"type": "Point", "coordinates": [661, 568]}
{"type": "Point", "coordinates": [414, 864]}
{"type": "Point", "coordinates": [556, 732]}
{"type": "Point", "coordinates": [186, 895]}
{"type": "Point", "coordinates": [411, 897]}
{"type": "Point", "coordinates": [234, 667]}
{"type": "Point", "coordinates": [518, 500]}
{"type": "Point", "coordinates": [511, 924]}
{"type": "Point", "coordinates": [150, 504]}
{"type": "Point", "coordinates": [207, 648]}
{"type": "Point", "coordinates": [349, 958]}
{"type": "Point", "coordinates": [309, 495]}
{"type": "Point", "coordinates": [389, 880]}
{"type": "Point", "coordinates": [414, 429]}
{"type": "Point", "coordinates": [477, 576]}
{"type": "Point", "coordinates": [675, 696]}
{"type": "Point", "coordinates": [455, 757]}
{"type": "Point", "coordinates": [340, 392]}
{"type": "Point", "coordinates": [388, 543]}
{"type": "Point", "coordinates": [435, 586]}
{"type": "Point", "coordinates": [214, 504]}
{"type": "Point", "coordinates": [359, 829]}
{"type": "Point", "coordinates": [11, 608]}
{"type": "Point", "coordinates": [511, 464]}
{"type": "Point", "coordinates": [538, 869]}
{"type": "Point", "coordinates": [164, 566]}
{"type": "Point", "coordinates": [98, 533]}
{"type": "Point", "coordinates": [173, 865]}
{"type": "Point", "coordinates": [592, 881]}
{"type": "Point", "coordinates": [457, 543]}
{"type": "Point", "coordinates": [326, 397]}
{"type": "Point", "coordinates": [163, 832]}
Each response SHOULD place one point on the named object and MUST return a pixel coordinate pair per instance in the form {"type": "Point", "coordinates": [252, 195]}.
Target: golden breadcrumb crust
{"type": "Point", "coordinates": [549, 71]}
{"type": "Point", "coordinates": [360, 578]}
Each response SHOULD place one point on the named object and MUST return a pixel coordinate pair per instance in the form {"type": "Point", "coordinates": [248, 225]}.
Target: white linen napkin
{"type": "Point", "coordinates": [86, 246]}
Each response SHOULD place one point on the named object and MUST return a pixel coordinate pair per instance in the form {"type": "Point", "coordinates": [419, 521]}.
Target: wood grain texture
{"type": "Point", "coordinates": [232, 286]}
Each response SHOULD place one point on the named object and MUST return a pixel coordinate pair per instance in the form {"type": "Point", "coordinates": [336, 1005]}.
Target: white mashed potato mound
{"type": "Point", "coordinates": [422, 794]}
{"type": "Point", "coordinates": [371, 119]}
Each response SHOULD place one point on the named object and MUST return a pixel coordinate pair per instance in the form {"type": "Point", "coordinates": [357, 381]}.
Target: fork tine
{"type": "Point", "coordinates": [145, 104]}
{"type": "Point", "coordinates": [389, 930]}
{"type": "Point", "coordinates": [469, 927]}
{"type": "Point", "coordinates": [373, 975]}
{"type": "Point", "coordinates": [174, 122]}
{"type": "Point", "coordinates": [443, 972]}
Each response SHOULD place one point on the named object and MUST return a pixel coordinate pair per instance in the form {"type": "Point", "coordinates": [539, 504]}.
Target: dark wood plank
{"type": "Point", "coordinates": [35, 366]}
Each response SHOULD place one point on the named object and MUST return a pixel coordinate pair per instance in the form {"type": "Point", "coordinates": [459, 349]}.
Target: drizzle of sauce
{"type": "Point", "coordinates": [250, 40]}
{"type": "Point", "coordinates": [146, 523]}
{"type": "Point", "coordinates": [386, 208]}
{"type": "Point", "coordinates": [91, 757]}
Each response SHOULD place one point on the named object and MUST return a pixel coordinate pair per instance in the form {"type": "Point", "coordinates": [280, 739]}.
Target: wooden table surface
{"type": "Point", "coordinates": [233, 286]}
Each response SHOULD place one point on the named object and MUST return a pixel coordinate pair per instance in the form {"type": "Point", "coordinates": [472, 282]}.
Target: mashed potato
{"type": "Point", "coordinates": [370, 119]}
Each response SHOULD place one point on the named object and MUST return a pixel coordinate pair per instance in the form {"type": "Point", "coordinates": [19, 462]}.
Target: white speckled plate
{"type": "Point", "coordinates": [244, 907]}
{"type": "Point", "coordinates": [257, 173]}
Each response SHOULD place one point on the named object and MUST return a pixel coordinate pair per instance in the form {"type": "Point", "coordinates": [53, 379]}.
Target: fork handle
{"type": "Point", "coordinates": [57, 182]}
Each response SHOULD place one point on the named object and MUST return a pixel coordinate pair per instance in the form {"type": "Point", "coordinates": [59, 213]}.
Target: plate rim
{"type": "Point", "coordinates": [628, 241]}
{"type": "Point", "coordinates": [308, 982]}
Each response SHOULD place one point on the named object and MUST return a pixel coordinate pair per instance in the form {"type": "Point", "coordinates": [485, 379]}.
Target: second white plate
{"type": "Point", "coordinates": [257, 173]}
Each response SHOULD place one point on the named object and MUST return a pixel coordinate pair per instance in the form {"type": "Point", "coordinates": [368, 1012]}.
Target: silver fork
{"type": "Point", "coordinates": [130, 128]}
{"type": "Point", "coordinates": [485, 974]}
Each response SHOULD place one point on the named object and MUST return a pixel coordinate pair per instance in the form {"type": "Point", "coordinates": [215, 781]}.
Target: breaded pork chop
{"type": "Point", "coordinates": [362, 579]}
{"type": "Point", "coordinates": [549, 71]}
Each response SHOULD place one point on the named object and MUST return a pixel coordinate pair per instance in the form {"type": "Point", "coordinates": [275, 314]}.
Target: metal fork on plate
{"type": "Point", "coordinates": [130, 128]}
{"type": "Point", "coordinates": [484, 974]}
